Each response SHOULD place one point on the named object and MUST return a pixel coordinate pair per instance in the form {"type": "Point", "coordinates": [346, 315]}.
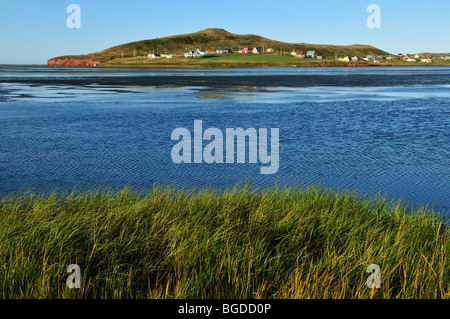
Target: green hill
{"type": "Point", "coordinates": [215, 39]}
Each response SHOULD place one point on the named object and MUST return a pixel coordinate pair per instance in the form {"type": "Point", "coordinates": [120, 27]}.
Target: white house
{"type": "Point", "coordinates": [311, 55]}
{"type": "Point", "coordinates": [194, 53]}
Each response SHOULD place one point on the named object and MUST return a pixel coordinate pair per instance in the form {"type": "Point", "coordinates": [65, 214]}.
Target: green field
{"type": "Point", "coordinates": [218, 61]}
{"type": "Point", "coordinates": [253, 61]}
{"type": "Point", "coordinates": [242, 243]}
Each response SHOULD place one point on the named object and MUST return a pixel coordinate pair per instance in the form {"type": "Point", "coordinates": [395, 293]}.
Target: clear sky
{"type": "Point", "coordinates": [32, 31]}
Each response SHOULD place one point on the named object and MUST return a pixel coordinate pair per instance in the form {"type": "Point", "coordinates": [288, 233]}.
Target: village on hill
{"type": "Point", "coordinates": [227, 50]}
{"type": "Point", "coordinates": [198, 53]}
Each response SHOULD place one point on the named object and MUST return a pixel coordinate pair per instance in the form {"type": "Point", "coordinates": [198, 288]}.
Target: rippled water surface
{"type": "Point", "coordinates": [369, 129]}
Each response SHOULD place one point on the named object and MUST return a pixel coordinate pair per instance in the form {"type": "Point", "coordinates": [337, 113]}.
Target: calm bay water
{"type": "Point", "coordinates": [372, 130]}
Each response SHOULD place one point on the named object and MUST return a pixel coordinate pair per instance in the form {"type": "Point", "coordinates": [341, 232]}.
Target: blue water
{"type": "Point", "coordinates": [372, 130]}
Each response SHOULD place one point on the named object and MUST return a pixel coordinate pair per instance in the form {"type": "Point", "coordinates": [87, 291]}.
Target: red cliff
{"type": "Point", "coordinates": [72, 62]}
{"type": "Point", "coordinates": [347, 65]}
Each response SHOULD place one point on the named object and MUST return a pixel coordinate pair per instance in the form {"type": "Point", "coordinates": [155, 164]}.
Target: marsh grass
{"type": "Point", "coordinates": [241, 243]}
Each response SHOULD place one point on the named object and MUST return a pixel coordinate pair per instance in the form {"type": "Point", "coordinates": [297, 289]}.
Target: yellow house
{"type": "Point", "coordinates": [416, 56]}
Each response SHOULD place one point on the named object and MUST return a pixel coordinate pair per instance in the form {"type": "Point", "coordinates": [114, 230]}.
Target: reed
{"type": "Point", "coordinates": [239, 244]}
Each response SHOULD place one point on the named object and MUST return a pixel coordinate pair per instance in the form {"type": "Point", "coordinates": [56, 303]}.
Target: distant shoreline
{"type": "Point", "coordinates": [175, 67]}
{"type": "Point", "coordinates": [235, 68]}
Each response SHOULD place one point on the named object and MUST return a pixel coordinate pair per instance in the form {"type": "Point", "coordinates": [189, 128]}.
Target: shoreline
{"type": "Point", "coordinates": [231, 62]}
{"type": "Point", "coordinates": [230, 68]}
{"type": "Point", "coordinates": [172, 67]}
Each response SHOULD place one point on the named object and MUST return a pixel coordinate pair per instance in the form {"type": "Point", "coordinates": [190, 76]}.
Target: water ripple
{"type": "Point", "coordinates": [67, 129]}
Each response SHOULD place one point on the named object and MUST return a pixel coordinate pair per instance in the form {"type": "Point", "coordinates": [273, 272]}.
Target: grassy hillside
{"type": "Point", "coordinates": [168, 243]}
{"type": "Point", "coordinates": [214, 39]}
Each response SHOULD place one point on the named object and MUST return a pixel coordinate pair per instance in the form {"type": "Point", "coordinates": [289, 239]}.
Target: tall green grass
{"type": "Point", "coordinates": [242, 243]}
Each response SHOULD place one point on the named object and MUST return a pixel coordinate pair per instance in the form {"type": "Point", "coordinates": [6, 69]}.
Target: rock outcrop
{"type": "Point", "coordinates": [72, 62]}
{"type": "Point", "coordinates": [346, 65]}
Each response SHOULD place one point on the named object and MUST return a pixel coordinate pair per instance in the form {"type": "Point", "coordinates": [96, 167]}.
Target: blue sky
{"type": "Point", "coordinates": [32, 31]}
